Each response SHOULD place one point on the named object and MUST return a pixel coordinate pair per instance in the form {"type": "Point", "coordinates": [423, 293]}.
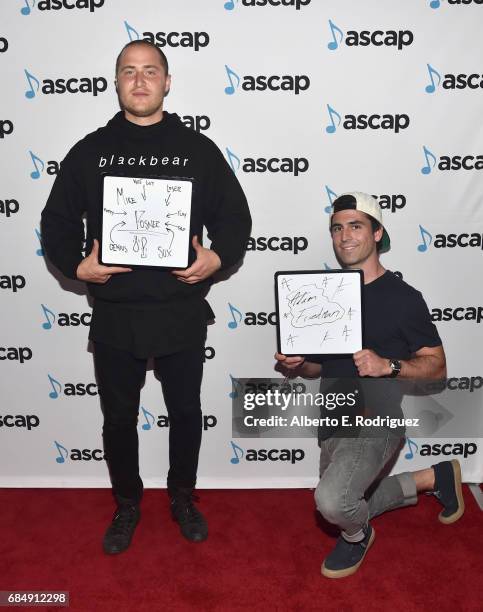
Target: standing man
{"type": "Point", "coordinates": [400, 341]}
{"type": "Point", "coordinates": [145, 313]}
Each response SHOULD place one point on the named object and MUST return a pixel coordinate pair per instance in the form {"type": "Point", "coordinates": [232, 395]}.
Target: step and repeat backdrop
{"type": "Point", "coordinates": [306, 99]}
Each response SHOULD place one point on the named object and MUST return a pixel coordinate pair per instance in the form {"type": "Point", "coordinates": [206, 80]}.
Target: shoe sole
{"type": "Point", "coordinates": [328, 573]}
{"type": "Point", "coordinates": [447, 520]}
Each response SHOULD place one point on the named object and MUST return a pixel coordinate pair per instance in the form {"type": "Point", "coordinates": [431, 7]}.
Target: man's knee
{"type": "Point", "coordinates": [119, 422]}
{"type": "Point", "coordinates": [335, 505]}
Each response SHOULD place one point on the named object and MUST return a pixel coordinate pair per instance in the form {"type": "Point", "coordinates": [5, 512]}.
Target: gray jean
{"type": "Point", "coordinates": [349, 493]}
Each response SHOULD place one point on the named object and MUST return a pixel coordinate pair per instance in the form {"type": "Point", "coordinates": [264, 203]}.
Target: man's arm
{"type": "Point", "coordinates": [226, 213]}
{"type": "Point", "coordinates": [427, 362]}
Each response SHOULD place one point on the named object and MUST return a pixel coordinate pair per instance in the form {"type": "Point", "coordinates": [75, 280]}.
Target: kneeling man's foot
{"type": "Point", "coordinates": [120, 532]}
{"type": "Point", "coordinates": [346, 557]}
{"type": "Point", "coordinates": [191, 522]}
{"type": "Point", "coordinates": [447, 488]}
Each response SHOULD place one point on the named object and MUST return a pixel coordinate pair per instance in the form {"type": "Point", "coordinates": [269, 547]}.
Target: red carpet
{"type": "Point", "coordinates": [264, 553]}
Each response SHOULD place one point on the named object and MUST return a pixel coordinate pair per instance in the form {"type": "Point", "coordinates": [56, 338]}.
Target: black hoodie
{"type": "Point", "coordinates": [164, 149]}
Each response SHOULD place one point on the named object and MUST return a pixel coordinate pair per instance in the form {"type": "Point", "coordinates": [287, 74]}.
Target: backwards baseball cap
{"type": "Point", "coordinates": [356, 200]}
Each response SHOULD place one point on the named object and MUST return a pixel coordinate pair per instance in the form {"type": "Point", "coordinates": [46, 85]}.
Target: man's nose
{"type": "Point", "coordinates": [139, 77]}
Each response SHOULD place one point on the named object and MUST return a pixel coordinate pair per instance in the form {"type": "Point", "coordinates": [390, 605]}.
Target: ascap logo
{"type": "Point", "coordinates": [71, 389]}
{"type": "Point", "coordinates": [9, 207]}
{"type": "Point", "coordinates": [14, 353]}
{"type": "Point", "coordinates": [435, 4]}
{"type": "Point", "coordinates": [395, 123]}
{"type": "Point", "coordinates": [229, 5]}
{"type": "Point", "coordinates": [450, 162]}
{"type": "Point", "coordinates": [6, 128]}
{"type": "Point", "coordinates": [250, 318]}
{"type": "Point", "coordinates": [276, 243]}
{"type": "Point", "coordinates": [460, 313]}
{"type": "Point", "coordinates": [77, 454]}
{"type": "Point", "coordinates": [195, 40]}
{"type": "Point", "coordinates": [13, 282]}
{"type": "Point", "coordinates": [285, 165]}
{"type": "Point", "coordinates": [292, 455]}
{"type": "Point", "coordinates": [27, 421]}
{"type": "Point", "coordinates": [73, 85]}
{"type": "Point", "coordinates": [49, 167]}
{"type": "Point", "coordinates": [162, 420]}
{"type": "Point", "coordinates": [293, 83]}
{"type": "Point", "coordinates": [426, 450]}
{"type": "Point", "coordinates": [364, 38]}
{"type": "Point", "coordinates": [449, 241]}
{"type": "Point", "coordinates": [452, 81]}
{"type": "Point", "coordinates": [57, 5]}
{"type": "Point", "coordinates": [390, 202]}
{"type": "Point", "coordinates": [64, 319]}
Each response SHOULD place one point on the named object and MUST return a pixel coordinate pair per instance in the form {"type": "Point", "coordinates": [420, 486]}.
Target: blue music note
{"type": "Point", "coordinates": [234, 324]}
{"type": "Point", "coordinates": [25, 10]}
{"type": "Point", "coordinates": [434, 4]}
{"type": "Point", "coordinates": [63, 452]}
{"type": "Point", "coordinates": [235, 383]}
{"type": "Point", "coordinates": [335, 30]}
{"type": "Point", "coordinates": [30, 93]}
{"type": "Point", "coordinates": [236, 458]}
{"type": "Point", "coordinates": [35, 174]}
{"type": "Point", "coordinates": [424, 247]}
{"type": "Point", "coordinates": [131, 32]}
{"type": "Point", "coordinates": [331, 195]}
{"type": "Point", "coordinates": [230, 90]}
{"type": "Point", "coordinates": [427, 155]}
{"type": "Point", "coordinates": [330, 129]}
{"type": "Point", "coordinates": [56, 387]}
{"type": "Point", "coordinates": [39, 252]}
{"type": "Point", "coordinates": [233, 159]}
{"type": "Point", "coordinates": [147, 415]}
{"type": "Point", "coordinates": [49, 321]}
{"type": "Point", "coordinates": [230, 5]}
{"type": "Point", "coordinates": [411, 445]}
{"type": "Point", "coordinates": [432, 88]}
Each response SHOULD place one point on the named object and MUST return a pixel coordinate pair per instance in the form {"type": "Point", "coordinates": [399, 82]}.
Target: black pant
{"type": "Point", "coordinates": [120, 376]}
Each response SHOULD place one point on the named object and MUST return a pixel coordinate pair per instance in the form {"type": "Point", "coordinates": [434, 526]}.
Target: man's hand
{"type": "Point", "coordinates": [368, 363]}
{"type": "Point", "coordinates": [91, 271]}
{"type": "Point", "coordinates": [289, 363]}
{"type": "Point", "coordinates": [207, 263]}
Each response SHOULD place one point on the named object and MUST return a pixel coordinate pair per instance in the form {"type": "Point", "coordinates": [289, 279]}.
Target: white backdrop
{"type": "Point", "coordinates": [50, 420]}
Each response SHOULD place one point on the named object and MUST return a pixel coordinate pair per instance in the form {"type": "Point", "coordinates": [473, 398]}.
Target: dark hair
{"type": "Point", "coordinates": [375, 226]}
{"type": "Point", "coordinates": [162, 57]}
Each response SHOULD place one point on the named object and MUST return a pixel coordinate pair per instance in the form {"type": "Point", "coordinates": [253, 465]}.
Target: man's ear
{"type": "Point", "coordinates": [378, 234]}
{"type": "Point", "coordinates": [168, 85]}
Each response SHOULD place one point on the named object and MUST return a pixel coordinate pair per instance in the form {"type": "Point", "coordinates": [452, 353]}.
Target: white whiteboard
{"type": "Point", "coordinates": [146, 221]}
{"type": "Point", "coordinates": [319, 312]}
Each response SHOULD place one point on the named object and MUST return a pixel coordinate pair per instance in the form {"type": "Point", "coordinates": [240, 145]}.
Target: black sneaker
{"type": "Point", "coordinates": [190, 520]}
{"type": "Point", "coordinates": [447, 488]}
{"type": "Point", "coordinates": [346, 557]}
{"type": "Point", "coordinates": [120, 532]}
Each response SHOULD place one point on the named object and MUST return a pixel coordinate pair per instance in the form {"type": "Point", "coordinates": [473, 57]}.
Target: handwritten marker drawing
{"type": "Point", "coordinates": [145, 221]}
{"type": "Point", "coordinates": [319, 312]}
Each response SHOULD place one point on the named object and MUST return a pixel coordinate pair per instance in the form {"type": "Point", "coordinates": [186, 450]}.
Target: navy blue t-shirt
{"type": "Point", "coordinates": [397, 323]}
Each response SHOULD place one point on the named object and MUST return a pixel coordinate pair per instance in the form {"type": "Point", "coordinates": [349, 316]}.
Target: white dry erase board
{"type": "Point", "coordinates": [319, 312]}
{"type": "Point", "coordinates": [146, 221]}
